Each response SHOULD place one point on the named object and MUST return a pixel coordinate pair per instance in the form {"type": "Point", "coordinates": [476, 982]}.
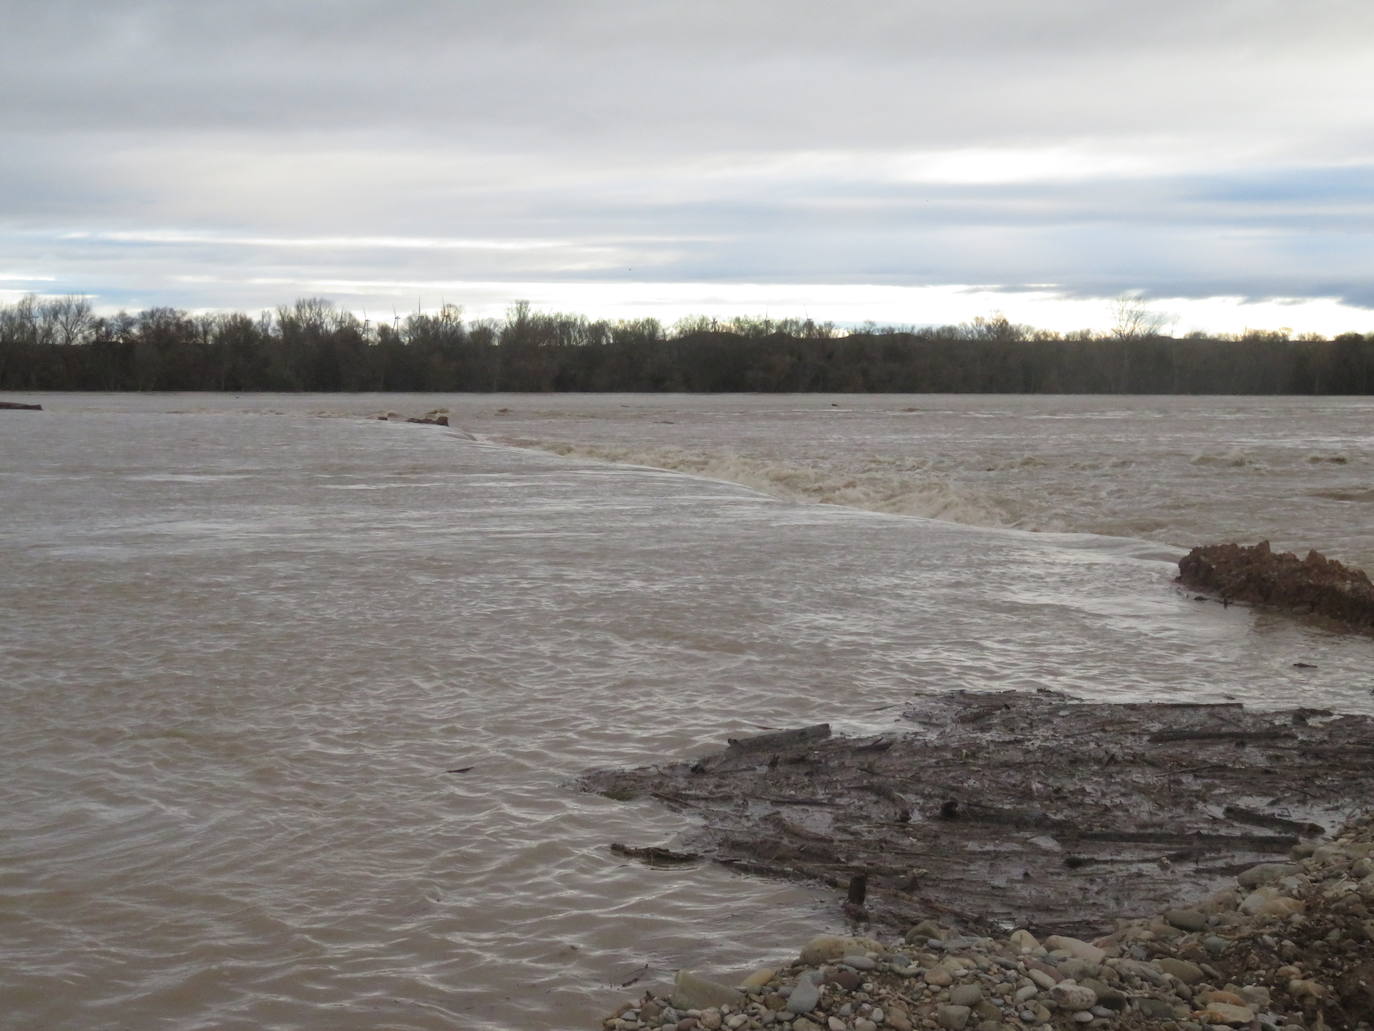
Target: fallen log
{"type": "Point", "coordinates": [1221, 735]}
{"type": "Point", "coordinates": [1278, 823]}
{"type": "Point", "coordinates": [780, 739]}
{"type": "Point", "coordinates": [1197, 839]}
{"type": "Point", "coordinates": [19, 406]}
{"type": "Point", "coordinates": [654, 855]}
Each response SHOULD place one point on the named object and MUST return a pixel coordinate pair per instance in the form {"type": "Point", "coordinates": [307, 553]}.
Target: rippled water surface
{"type": "Point", "coordinates": [242, 639]}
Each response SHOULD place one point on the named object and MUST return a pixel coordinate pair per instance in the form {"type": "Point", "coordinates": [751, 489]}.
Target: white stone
{"type": "Point", "coordinates": [1041, 978]}
{"type": "Point", "coordinates": [1076, 948]}
{"type": "Point", "coordinates": [1225, 1013]}
{"type": "Point", "coordinates": [1072, 996]}
{"type": "Point", "coordinates": [826, 947]}
{"type": "Point", "coordinates": [691, 991]}
{"type": "Point", "coordinates": [805, 994]}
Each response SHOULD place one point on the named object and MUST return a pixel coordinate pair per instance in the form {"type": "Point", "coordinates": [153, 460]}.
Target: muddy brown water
{"type": "Point", "coordinates": [243, 639]}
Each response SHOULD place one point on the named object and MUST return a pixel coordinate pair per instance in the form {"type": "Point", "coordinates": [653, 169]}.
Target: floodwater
{"type": "Point", "coordinates": [245, 640]}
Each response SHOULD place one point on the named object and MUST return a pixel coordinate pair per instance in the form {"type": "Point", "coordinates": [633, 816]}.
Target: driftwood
{"type": "Point", "coordinates": [780, 739]}
{"type": "Point", "coordinates": [655, 855]}
{"type": "Point", "coordinates": [19, 406]}
{"type": "Point", "coordinates": [1281, 823]}
{"type": "Point", "coordinates": [999, 810]}
{"type": "Point", "coordinates": [1198, 841]}
{"type": "Point", "coordinates": [1238, 736]}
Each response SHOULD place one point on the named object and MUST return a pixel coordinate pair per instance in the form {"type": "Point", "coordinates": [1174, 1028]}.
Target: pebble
{"type": "Point", "coordinates": [1215, 944]}
{"type": "Point", "coordinates": [966, 995]}
{"type": "Point", "coordinates": [805, 995]}
{"type": "Point", "coordinates": [1186, 919]}
{"type": "Point", "coordinates": [1185, 971]}
{"type": "Point", "coordinates": [1206, 967]}
{"type": "Point", "coordinates": [1070, 996]}
{"type": "Point", "coordinates": [1266, 873]}
{"type": "Point", "coordinates": [1075, 948]}
{"type": "Point", "coordinates": [953, 1017]}
{"type": "Point", "coordinates": [692, 991]}
{"type": "Point", "coordinates": [826, 947]}
{"type": "Point", "coordinates": [1041, 978]}
{"type": "Point", "coordinates": [1224, 1013]}
{"type": "Point", "coordinates": [846, 979]}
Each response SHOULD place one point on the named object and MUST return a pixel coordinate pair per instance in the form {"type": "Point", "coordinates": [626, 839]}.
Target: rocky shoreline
{"type": "Point", "coordinates": [1165, 865]}
{"type": "Point", "coordinates": [1286, 945]}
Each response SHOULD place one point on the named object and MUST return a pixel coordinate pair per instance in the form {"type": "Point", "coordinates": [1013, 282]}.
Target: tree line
{"type": "Point", "coordinates": [313, 345]}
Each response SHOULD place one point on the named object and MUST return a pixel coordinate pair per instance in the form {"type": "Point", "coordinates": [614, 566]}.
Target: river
{"type": "Point", "coordinates": [247, 642]}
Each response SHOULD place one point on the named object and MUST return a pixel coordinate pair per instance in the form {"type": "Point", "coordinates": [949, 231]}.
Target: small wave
{"type": "Point", "coordinates": [877, 489]}
{"type": "Point", "coordinates": [187, 477]}
{"type": "Point", "coordinates": [1361, 494]}
{"type": "Point", "coordinates": [1228, 460]}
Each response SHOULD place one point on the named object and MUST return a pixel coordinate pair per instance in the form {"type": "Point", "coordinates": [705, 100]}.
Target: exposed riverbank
{"type": "Point", "coordinates": [1284, 945]}
{"type": "Point", "coordinates": [1020, 809]}
{"type": "Point", "coordinates": [1070, 822]}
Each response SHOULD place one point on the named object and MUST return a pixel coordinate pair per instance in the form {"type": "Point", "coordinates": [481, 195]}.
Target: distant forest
{"type": "Point", "coordinates": [61, 344]}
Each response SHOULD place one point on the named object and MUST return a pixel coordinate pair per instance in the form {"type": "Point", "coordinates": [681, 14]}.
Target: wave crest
{"type": "Point", "coordinates": [877, 489]}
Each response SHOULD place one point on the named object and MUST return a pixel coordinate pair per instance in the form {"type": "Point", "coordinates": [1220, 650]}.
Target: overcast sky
{"type": "Point", "coordinates": [906, 162]}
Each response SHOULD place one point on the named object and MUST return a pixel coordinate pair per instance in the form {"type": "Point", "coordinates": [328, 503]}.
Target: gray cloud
{"type": "Point", "coordinates": [212, 153]}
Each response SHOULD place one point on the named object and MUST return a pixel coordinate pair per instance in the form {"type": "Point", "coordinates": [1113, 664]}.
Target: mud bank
{"type": "Point", "coordinates": [1315, 585]}
{"type": "Point", "coordinates": [1017, 810]}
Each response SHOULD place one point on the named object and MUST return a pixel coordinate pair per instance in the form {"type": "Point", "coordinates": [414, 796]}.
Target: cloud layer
{"type": "Point", "coordinates": [596, 155]}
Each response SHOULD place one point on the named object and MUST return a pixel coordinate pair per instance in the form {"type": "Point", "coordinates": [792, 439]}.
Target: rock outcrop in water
{"type": "Point", "coordinates": [1260, 576]}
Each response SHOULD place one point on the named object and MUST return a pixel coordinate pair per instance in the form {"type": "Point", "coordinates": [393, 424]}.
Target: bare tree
{"type": "Point", "coordinates": [68, 319]}
{"type": "Point", "coordinates": [1132, 320]}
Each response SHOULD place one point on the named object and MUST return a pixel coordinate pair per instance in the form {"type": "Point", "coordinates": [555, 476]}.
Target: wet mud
{"type": "Point", "coordinates": [1316, 586]}
{"type": "Point", "coordinates": [994, 811]}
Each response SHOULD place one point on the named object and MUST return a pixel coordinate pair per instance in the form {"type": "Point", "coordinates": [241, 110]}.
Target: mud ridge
{"type": "Point", "coordinates": [1258, 575]}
